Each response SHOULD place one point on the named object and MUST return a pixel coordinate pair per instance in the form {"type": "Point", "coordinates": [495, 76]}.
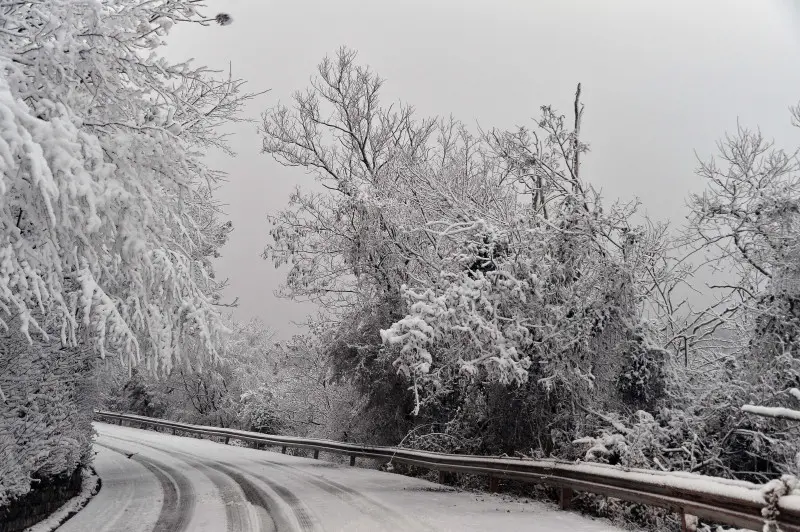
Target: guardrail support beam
{"type": "Point", "coordinates": [494, 484]}
{"type": "Point", "coordinates": [565, 498]}
{"type": "Point", "coordinates": [227, 440]}
{"type": "Point", "coordinates": [283, 449]}
{"type": "Point", "coordinates": [443, 477]}
{"type": "Point", "coordinates": [352, 460]}
{"type": "Point", "coordinates": [316, 454]}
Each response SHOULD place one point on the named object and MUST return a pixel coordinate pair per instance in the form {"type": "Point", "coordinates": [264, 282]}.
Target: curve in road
{"type": "Point", "coordinates": [153, 481]}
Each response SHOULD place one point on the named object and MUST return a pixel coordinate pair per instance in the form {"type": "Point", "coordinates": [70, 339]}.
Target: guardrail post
{"type": "Point", "coordinates": [494, 484]}
{"type": "Point", "coordinates": [565, 498]}
{"type": "Point", "coordinates": [352, 460]}
{"type": "Point", "coordinates": [443, 477]}
{"type": "Point", "coordinates": [316, 454]}
{"type": "Point", "coordinates": [227, 439]}
{"type": "Point", "coordinates": [283, 449]}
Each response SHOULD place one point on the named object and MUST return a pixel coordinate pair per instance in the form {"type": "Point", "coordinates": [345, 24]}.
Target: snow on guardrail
{"type": "Point", "coordinates": [718, 500]}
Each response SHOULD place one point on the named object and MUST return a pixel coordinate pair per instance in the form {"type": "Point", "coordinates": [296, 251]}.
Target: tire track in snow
{"type": "Point", "coordinates": [302, 514]}
{"type": "Point", "coordinates": [252, 493]}
{"type": "Point", "coordinates": [237, 516]}
{"type": "Point", "coordinates": [367, 505]}
{"type": "Point", "coordinates": [179, 501]}
{"type": "Point", "coordinates": [127, 487]}
{"type": "Point", "coordinates": [257, 496]}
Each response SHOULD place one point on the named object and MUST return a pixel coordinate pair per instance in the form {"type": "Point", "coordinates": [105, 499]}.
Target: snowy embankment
{"type": "Point", "coordinates": [89, 487]}
{"type": "Point", "coordinates": [176, 483]}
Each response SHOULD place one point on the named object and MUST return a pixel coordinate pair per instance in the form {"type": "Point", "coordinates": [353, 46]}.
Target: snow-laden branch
{"type": "Point", "coordinates": [773, 411]}
{"type": "Point", "coordinates": [110, 224]}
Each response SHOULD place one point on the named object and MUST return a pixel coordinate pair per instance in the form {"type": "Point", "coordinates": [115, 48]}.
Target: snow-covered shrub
{"type": "Point", "coordinates": [608, 448]}
{"type": "Point", "coordinates": [256, 384]}
{"type": "Point", "coordinates": [45, 419]}
{"type": "Point", "coordinates": [642, 380]}
{"type": "Point", "coordinates": [258, 411]}
{"type": "Point", "coordinates": [375, 401]}
{"type": "Point", "coordinates": [140, 395]}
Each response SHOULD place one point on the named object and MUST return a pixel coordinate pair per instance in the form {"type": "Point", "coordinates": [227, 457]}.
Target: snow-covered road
{"type": "Point", "coordinates": [173, 483]}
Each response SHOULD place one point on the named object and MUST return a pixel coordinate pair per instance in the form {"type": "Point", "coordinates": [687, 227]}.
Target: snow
{"type": "Point", "coordinates": [127, 488]}
{"type": "Point", "coordinates": [736, 489]}
{"type": "Point", "coordinates": [773, 411]}
{"type": "Point", "coordinates": [309, 494]}
{"type": "Point", "coordinates": [790, 502]}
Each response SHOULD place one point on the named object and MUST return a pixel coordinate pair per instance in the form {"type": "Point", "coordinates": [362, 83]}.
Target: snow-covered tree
{"type": "Point", "coordinates": [747, 222]}
{"type": "Point", "coordinates": [490, 265]}
{"type": "Point", "coordinates": [344, 243]}
{"type": "Point", "coordinates": [539, 281]}
{"type": "Point", "coordinates": [108, 223]}
{"type": "Point", "coordinates": [106, 205]}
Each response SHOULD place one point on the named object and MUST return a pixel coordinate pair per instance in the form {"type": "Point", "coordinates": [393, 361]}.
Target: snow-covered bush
{"type": "Point", "coordinates": [45, 419]}
{"type": "Point", "coordinates": [259, 411]}
{"type": "Point", "coordinates": [608, 448]}
{"type": "Point", "coordinates": [197, 391]}
{"type": "Point", "coordinates": [140, 394]}
{"type": "Point", "coordinates": [255, 384]}
{"type": "Point", "coordinates": [642, 380]}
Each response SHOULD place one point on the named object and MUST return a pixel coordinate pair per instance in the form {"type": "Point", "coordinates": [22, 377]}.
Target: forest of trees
{"type": "Point", "coordinates": [475, 292]}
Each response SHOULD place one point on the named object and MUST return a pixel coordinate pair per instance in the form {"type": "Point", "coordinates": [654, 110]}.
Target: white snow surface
{"type": "Point", "coordinates": [180, 483]}
{"type": "Point", "coordinates": [773, 411]}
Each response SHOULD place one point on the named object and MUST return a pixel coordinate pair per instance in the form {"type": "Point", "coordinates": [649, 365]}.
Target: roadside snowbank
{"type": "Point", "coordinates": [89, 488]}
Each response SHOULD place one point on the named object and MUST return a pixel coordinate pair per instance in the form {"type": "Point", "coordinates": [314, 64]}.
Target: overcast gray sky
{"type": "Point", "coordinates": [661, 80]}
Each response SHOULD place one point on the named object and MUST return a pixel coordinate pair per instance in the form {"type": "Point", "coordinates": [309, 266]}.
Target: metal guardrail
{"type": "Point", "coordinates": [717, 500]}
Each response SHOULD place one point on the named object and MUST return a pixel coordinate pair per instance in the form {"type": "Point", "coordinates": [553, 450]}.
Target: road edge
{"type": "Point", "coordinates": [90, 486]}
